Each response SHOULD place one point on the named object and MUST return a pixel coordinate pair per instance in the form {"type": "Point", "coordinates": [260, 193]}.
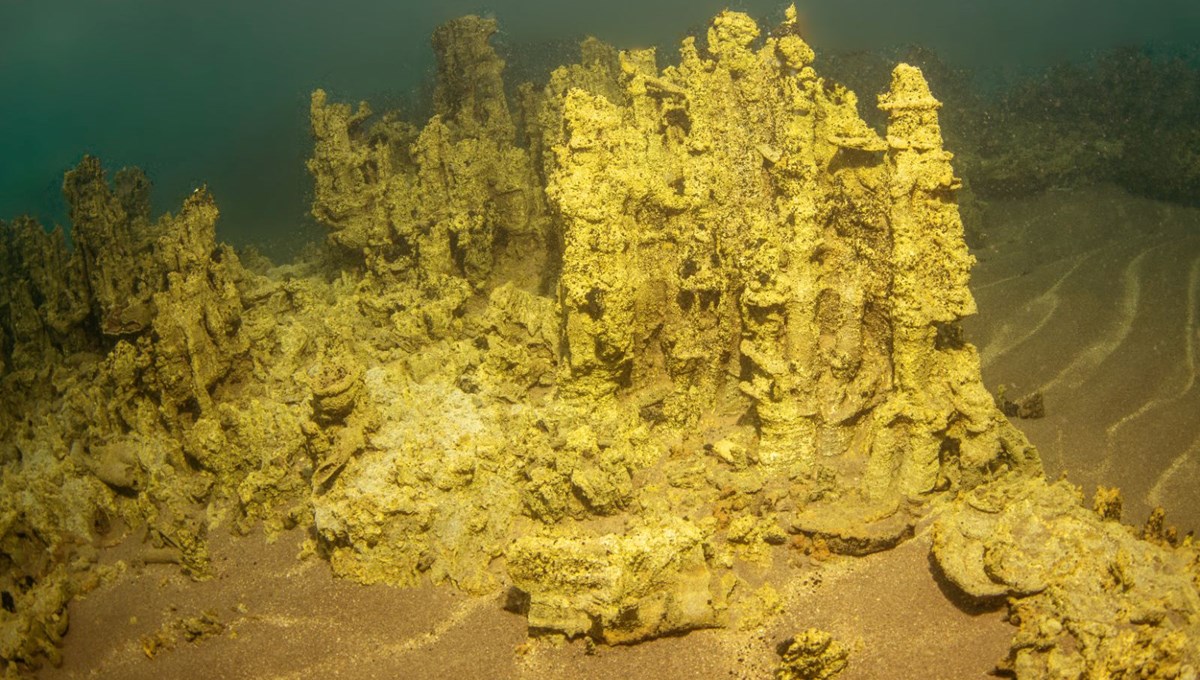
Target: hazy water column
{"type": "Point", "coordinates": [216, 91]}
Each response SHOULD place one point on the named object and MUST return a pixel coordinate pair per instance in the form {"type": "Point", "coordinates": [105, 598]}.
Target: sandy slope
{"type": "Point", "coordinates": [291, 620]}
{"type": "Point", "coordinates": [1091, 297]}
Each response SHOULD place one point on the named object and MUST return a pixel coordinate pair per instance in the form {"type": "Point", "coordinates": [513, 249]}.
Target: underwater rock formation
{"type": "Point", "coordinates": [647, 581]}
{"type": "Point", "coordinates": [432, 214]}
{"type": "Point", "coordinates": [111, 352]}
{"type": "Point", "coordinates": [745, 277]}
{"type": "Point", "coordinates": [168, 282]}
{"type": "Point", "coordinates": [1089, 596]}
{"type": "Point", "coordinates": [811, 655]}
{"type": "Point", "coordinates": [43, 299]}
{"type": "Point", "coordinates": [611, 346]}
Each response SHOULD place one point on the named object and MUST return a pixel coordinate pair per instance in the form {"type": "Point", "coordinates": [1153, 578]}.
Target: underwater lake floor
{"type": "Point", "coordinates": [1087, 296]}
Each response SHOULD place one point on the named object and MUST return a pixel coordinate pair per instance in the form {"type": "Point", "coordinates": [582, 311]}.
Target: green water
{"type": "Point", "coordinates": [216, 91]}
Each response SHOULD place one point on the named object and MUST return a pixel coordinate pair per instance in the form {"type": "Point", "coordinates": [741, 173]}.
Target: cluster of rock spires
{"type": "Point", "coordinates": [112, 352]}
{"type": "Point", "coordinates": [597, 342]}
{"type": "Point", "coordinates": [1126, 117]}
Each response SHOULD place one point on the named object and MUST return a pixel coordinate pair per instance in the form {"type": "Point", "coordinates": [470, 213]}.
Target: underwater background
{"type": "Point", "coordinates": [216, 92]}
{"type": "Point", "coordinates": [888, 380]}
